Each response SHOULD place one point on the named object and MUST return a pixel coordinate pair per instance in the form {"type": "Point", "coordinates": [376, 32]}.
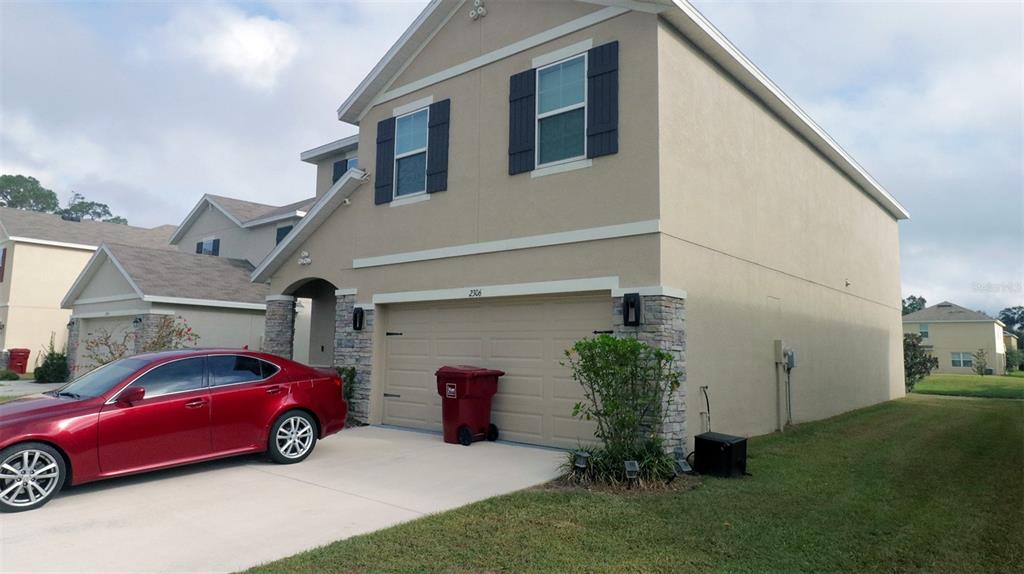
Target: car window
{"type": "Point", "coordinates": [231, 369]}
{"type": "Point", "coordinates": [173, 377]}
{"type": "Point", "coordinates": [98, 381]}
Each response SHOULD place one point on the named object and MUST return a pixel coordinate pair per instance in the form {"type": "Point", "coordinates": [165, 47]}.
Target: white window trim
{"type": "Point", "coordinates": [409, 199]}
{"type": "Point", "coordinates": [211, 239]}
{"type": "Point", "coordinates": [922, 329]}
{"type": "Point", "coordinates": [425, 150]}
{"type": "Point", "coordinates": [537, 116]}
{"type": "Point", "coordinates": [964, 357]}
{"type": "Point", "coordinates": [562, 167]}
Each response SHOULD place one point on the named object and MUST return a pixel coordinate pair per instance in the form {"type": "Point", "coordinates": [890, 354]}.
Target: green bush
{"type": "Point", "coordinates": [348, 382]}
{"type": "Point", "coordinates": [627, 387]}
{"type": "Point", "coordinates": [9, 375]}
{"type": "Point", "coordinates": [918, 363]}
{"type": "Point", "coordinates": [54, 368]}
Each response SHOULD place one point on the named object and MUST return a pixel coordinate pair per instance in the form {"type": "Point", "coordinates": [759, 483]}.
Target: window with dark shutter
{"type": "Point", "coordinates": [340, 167]}
{"type": "Point", "coordinates": [3, 264]}
{"type": "Point", "coordinates": [437, 146]}
{"type": "Point", "coordinates": [384, 179]}
{"type": "Point", "coordinates": [215, 250]}
{"type": "Point", "coordinates": [282, 232]}
{"type": "Point", "coordinates": [603, 100]}
{"type": "Point", "coordinates": [199, 247]}
{"type": "Point", "coordinates": [522, 112]}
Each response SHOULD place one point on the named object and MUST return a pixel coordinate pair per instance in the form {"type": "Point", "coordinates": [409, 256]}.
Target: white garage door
{"type": "Point", "coordinates": [525, 337]}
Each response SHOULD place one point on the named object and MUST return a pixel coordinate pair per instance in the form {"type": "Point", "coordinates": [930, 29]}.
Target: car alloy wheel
{"type": "Point", "coordinates": [28, 478]}
{"type": "Point", "coordinates": [294, 437]}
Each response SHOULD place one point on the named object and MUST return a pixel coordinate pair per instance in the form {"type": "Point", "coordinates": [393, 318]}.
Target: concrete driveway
{"type": "Point", "coordinates": [19, 388]}
{"type": "Point", "coordinates": [231, 514]}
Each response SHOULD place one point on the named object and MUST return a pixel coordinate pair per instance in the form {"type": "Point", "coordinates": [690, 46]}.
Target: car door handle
{"type": "Point", "coordinates": [195, 404]}
{"type": "Point", "coordinates": [274, 390]}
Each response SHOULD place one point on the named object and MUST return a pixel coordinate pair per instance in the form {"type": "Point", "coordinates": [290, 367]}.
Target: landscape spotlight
{"type": "Point", "coordinates": [632, 469]}
{"type": "Point", "coordinates": [582, 459]}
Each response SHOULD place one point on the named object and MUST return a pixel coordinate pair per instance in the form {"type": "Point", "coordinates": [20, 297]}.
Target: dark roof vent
{"type": "Point", "coordinates": [69, 217]}
{"type": "Point", "coordinates": [944, 305]}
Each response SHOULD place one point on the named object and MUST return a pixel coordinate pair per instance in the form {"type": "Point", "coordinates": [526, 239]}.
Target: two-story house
{"type": "Point", "coordinates": [535, 173]}
{"type": "Point", "coordinates": [953, 334]}
{"type": "Point", "coordinates": [41, 254]}
{"type": "Point", "coordinates": [200, 273]}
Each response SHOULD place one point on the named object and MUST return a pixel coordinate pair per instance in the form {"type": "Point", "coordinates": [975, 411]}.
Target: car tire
{"type": "Point", "coordinates": [292, 437]}
{"type": "Point", "coordinates": [34, 466]}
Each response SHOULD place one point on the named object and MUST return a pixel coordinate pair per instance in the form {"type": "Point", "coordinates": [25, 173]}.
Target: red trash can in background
{"type": "Point", "coordinates": [466, 403]}
{"type": "Point", "coordinates": [18, 360]}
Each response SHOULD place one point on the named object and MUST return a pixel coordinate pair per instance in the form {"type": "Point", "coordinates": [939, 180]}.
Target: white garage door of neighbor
{"type": "Point", "coordinates": [525, 337]}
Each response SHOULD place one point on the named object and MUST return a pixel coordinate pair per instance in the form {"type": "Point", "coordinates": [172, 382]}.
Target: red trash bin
{"type": "Point", "coordinates": [466, 403]}
{"type": "Point", "coordinates": [18, 360]}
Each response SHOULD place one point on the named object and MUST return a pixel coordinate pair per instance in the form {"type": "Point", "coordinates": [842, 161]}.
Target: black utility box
{"type": "Point", "coordinates": [719, 454]}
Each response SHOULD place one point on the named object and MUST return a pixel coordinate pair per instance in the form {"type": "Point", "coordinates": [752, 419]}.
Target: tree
{"type": "Point", "coordinates": [80, 208]}
{"type": "Point", "coordinates": [1014, 360]}
{"type": "Point", "coordinates": [980, 361]}
{"type": "Point", "coordinates": [21, 192]}
{"type": "Point", "coordinates": [913, 303]}
{"type": "Point", "coordinates": [1013, 318]}
{"type": "Point", "coordinates": [917, 362]}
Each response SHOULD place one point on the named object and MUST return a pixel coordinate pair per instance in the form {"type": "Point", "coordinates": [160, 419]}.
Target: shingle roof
{"type": "Point", "coordinates": [246, 211]}
{"type": "Point", "coordinates": [50, 227]}
{"type": "Point", "coordinates": [945, 311]}
{"type": "Point", "coordinates": [171, 273]}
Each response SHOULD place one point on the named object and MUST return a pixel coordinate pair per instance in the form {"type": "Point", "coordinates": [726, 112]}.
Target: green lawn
{"type": "Point", "coordinates": [4, 399]}
{"type": "Point", "coordinates": [990, 386]}
{"type": "Point", "coordinates": [922, 484]}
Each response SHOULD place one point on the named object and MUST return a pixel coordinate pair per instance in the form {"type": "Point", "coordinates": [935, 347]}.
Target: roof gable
{"type": "Point", "coordinates": [50, 229]}
{"type": "Point", "coordinates": [947, 312]}
{"type": "Point", "coordinates": [244, 214]}
{"type": "Point", "coordinates": [377, 87]}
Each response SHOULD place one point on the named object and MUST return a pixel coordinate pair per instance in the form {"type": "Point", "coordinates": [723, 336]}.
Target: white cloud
{"type": "Point", "coordinates": [255, 50]}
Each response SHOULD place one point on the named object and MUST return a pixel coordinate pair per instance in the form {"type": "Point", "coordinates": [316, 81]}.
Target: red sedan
{"type": "Point", "coordinates": [159, 410]}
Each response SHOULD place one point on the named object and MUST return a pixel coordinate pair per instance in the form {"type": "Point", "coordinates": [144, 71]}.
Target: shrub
{"type": "Point", "coordinates": [348, 380]}
{"type": "Point", "coordinates": [106, 346]}
{"type": "Point", "coordinates": [171, 333]}
{"type": "Point", "coordinates": [627, 387]}
{"type": "Point", "coordinates": [9, 375]}
{"type": "Point", "coordinates": [1014, 360]}
{"type": "Point", "coordinates": [54, 367]}
{"type": "Point", "coordinates": [917, 362]}
{"type": "Point", "coordinates": [980, 362]}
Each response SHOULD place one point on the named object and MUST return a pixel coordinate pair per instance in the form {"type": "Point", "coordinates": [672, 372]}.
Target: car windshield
{"type": "Point", "coordinates": [100, 380]}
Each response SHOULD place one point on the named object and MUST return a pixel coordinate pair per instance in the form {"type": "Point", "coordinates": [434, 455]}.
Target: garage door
{"type": "Point", "coordinates": [525, 337]}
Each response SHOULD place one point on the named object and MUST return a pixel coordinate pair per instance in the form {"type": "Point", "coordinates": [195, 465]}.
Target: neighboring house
{"type": "Point", "coordinates": [41, 254]}
{"type": "Point", "coordinates": [522, 175]}
{"type": "Point", "coordinates": [1010, 341]}
{"type": "Point", "coordinates": [200, 273]}
{"type": "Point", "coordinates": [952, 334]}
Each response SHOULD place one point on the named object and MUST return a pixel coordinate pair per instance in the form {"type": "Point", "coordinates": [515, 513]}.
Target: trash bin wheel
{"type": "Point", "coordinates": [465, 436]}
{"type": "Point", "coordinates": [492, 433]}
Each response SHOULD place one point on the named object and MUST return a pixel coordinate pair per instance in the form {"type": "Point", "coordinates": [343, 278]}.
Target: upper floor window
{"type": "Point", "coordinates": [3, 264]}
{"type": "Point", "coordinates": [963, 359]}
{"type": "Point", "coordinates": [341, 166]}
{"type": "Point", "coordinates": [209, 246]}
{"type": "Point", "coordinates": [282, 232]}
{"type": "Point", "coordinates": [411, 153]}
{"type": "Point", "coordinates": [561, 111]}
{"type": "Point", "coordinates": [923, 329]}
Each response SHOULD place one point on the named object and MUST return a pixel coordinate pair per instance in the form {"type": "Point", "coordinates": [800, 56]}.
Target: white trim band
{"type": "Point", "coordinates": [280, 298]}
{"type": "Point", "coordinates": [121, 313]}
{"type": "Point", "coordinates": [563, 53]}
{"type": "Point", "coordinates": [204, 302]}
{"type": "Point", "coordinates": [343, 292]}
{"type": "Point", "coordinates": [413, 106]}
{"type": "Point", "coordinates": [107, 299]}
{"type": "Point", "coordinates": [547, 239]}
{"type": "Point", "coordinates": [509, 290]}
{"type": "Point", "coordinates": [52, 243]}
{"type": "Point", "coordinates": [652, 291]}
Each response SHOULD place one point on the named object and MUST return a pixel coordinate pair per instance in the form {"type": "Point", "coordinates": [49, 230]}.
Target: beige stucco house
{"type": "Point", "coordinates": [41, 254]}
{"type": "Point", "coordinates": [200, 274]}
{"type": "Point", "coordinates": [952, 334]}
{"type": "Point", "coordinates": [524, 173]}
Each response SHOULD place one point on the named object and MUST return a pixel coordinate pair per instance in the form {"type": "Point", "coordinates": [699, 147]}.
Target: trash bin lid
{"type": "Point", "coordinates": [467, 372]}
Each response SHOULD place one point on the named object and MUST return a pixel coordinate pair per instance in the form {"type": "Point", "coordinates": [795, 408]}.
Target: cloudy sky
{"type": "Point", "coordinates": [146, 106]}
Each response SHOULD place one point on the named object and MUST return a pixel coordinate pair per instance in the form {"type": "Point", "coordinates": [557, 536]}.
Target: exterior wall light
{"type": "Point", "coordinates": [631, 310]}
{"type": "Point", "coordinates": [137, 321]}
{"type": "Point", "coordinates": [358, 319]}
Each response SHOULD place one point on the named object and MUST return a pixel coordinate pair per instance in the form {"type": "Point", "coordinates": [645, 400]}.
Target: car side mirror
{"type": "Point", "coordinates": [130, 396]}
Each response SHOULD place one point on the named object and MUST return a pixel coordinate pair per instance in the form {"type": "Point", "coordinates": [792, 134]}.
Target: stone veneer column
{"type": "Point", "coordinates": [354, 349]}
{"type": "Point", "coordinates": [72, 353]}
{"type": "Point", "coordinates": [662, 325]}
{"type": "Point", "coordinates": [279, 326]}
{"type": "Point", "coordinates": [145, 327]}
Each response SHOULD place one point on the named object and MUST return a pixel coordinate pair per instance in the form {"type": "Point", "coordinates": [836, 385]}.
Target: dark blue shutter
{"type": "Point", "coordinates": [199, 247]}
{"type": "Point", "coordinates": [216, 247]}
{"type": "Point", "coordinates": [437, 146]}
{"type": "Point", "coordinates": [384, 181]}
{"type": "Point", "coordinates": [522, 112]}
{"type": "Point", "coordinates": [603, 96]}
{"type": "Point", "coordinates": [340, 167]}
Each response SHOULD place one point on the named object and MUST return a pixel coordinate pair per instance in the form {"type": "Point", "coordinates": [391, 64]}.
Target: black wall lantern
{"type": "Point", "coordinates": [631, 309]}
{"type": "Point", "coordinates": [358, 318]}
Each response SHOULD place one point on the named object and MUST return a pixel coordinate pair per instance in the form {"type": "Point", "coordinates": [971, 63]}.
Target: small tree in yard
{"type": "Point", "coordinates": [54, 367]}
{"type": "Point", "coordinates": [106, 346]}
{"type": "Point", "coordinates": [1014, 360]}
{"type": "Point", "coordinates": [980, 361]}
{"type": "Point", "coordinates": [171, 333]}
{"type": "Point", "coordinates": [917, 362]}
{"type": "Point", "coordinates": [627, 387]}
